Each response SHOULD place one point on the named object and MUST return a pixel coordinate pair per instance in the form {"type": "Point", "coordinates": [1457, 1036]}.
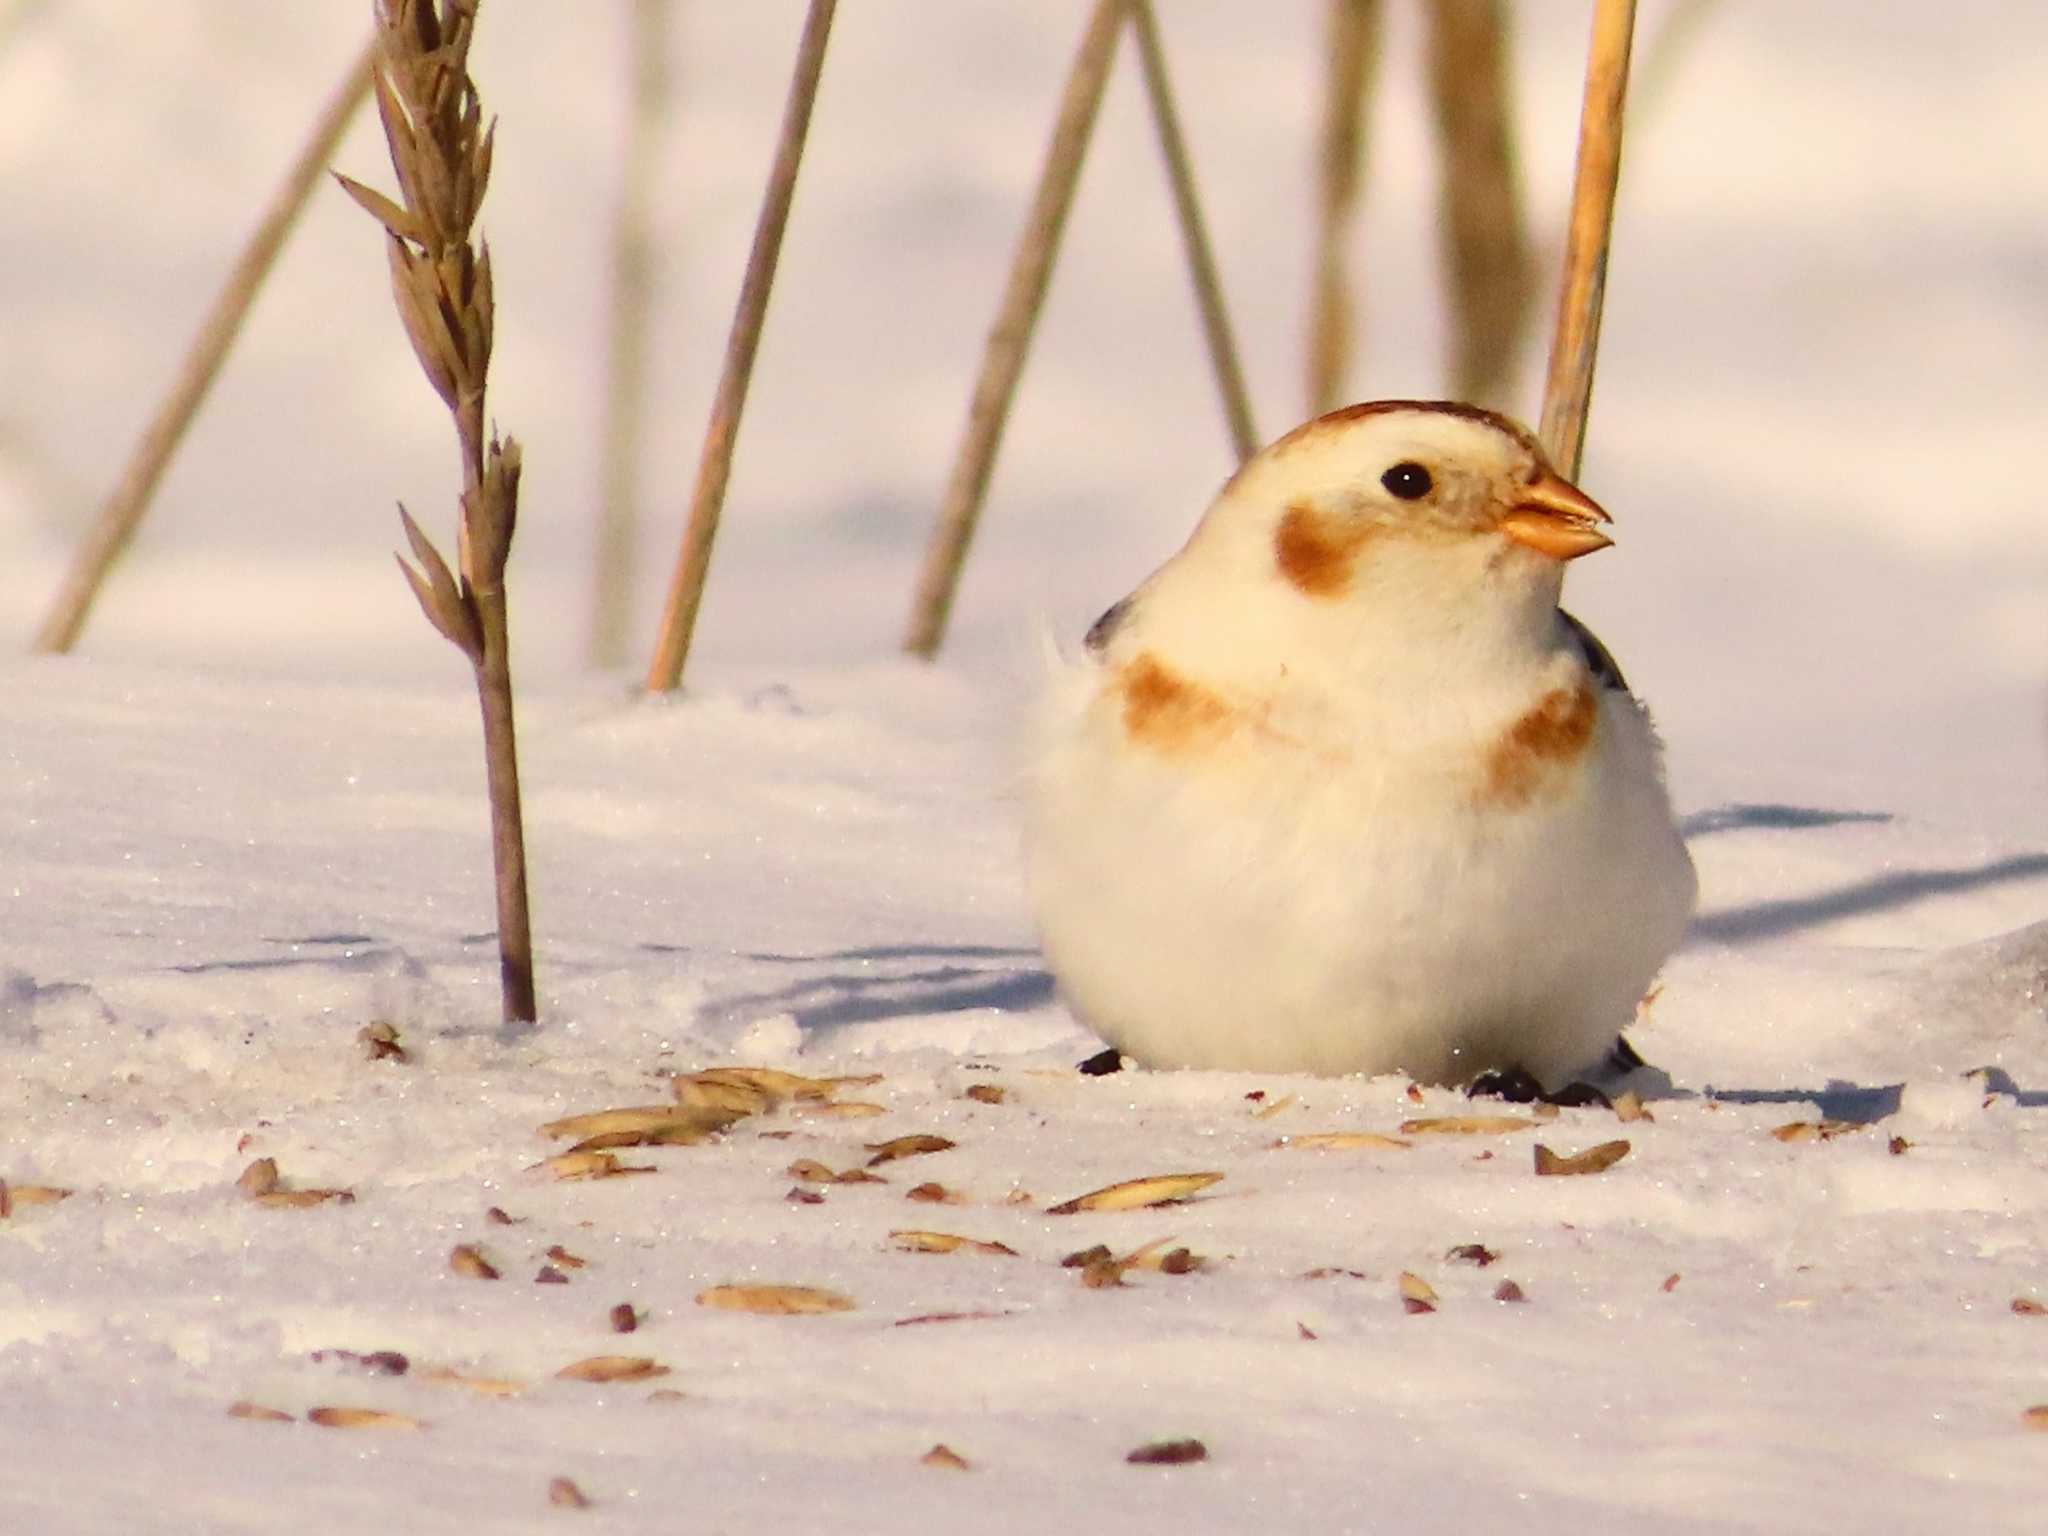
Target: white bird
{"type": "Point", "coordinates": [1340, 788]}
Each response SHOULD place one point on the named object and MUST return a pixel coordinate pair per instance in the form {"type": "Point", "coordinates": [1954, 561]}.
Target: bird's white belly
{"type": "Point", "coordinates": [1300, 913]}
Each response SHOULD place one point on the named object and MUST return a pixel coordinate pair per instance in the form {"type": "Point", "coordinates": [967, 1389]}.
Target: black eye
{"type": "Point", "coordinates": [1408, 480]}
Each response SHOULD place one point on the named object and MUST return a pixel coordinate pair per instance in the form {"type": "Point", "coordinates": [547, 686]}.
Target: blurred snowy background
{"type": "Point", "coordinates": [1816, 417]}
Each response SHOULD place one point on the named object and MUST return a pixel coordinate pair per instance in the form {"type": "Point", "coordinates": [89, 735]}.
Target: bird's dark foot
{"type": "Point", "coordinates": [1622, 1057]}
{"type": "Point", "coordinates": [1101, 1064]}
{"type": "Point", "coordinates": [1513, 1086]}
{"type": "Point", "coordinates": [1517, 1086]}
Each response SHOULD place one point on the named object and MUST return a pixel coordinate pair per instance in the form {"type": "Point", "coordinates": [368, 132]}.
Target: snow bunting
{"type": "Point", "coordinates": [1340, 788]}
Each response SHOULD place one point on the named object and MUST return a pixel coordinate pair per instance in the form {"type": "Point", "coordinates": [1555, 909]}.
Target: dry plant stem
{"type": "Point", "coordinates": [1002, 358]}
{"type": "Point", "coordinates": [1568, 388]}
{"type": "Point", "coordinates": [1485, 247]}
{"type": "Point", "coordinates": [1237, 411]}
{"type": "Point", "coordinates": [714, 467]}
{"type": "Point", "coordinates": [121, 513]}
{"type": "Point", "coordinates": [441, 154]}
{"type": "Point", "coordinates": [1352, 49]}
{"type": "Point", "coordinates": [632, 302]}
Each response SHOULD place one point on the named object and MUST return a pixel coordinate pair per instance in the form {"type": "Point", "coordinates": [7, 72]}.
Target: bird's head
{"type": "Point", "coordinates": [1414, 473]}
{"type": "Point", "coordinates": [1419, 514]}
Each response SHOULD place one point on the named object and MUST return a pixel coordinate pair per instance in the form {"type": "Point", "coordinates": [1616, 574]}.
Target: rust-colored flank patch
{"type": "Point", "coordinates": [1165, 711]}
{"type": "Point", "coordinates": [1552, 735]}
{"type": "Point", "coordinates": [1316, 552]}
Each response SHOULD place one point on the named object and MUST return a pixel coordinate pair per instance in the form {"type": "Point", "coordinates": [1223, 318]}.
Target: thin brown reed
{"type": "Point", "coordinates": [441, 153]}
{"type": "Point", "coordinates": [632, 302]}
{"type": "Point", "coordinates": [1009, 340]}
{"type": "Point", "coordinates": [1486, 249]}
{"type": "Point", "coordinates": [114, 526]}
{"type": "Point", "coordinates": [714, 465]}
{"type": "Point", "coordinates": [1351, 49]}
{"type": "Point", "coordinates": [1568, 389]}
{"type": "Point", "coordinates": [1180, 176]}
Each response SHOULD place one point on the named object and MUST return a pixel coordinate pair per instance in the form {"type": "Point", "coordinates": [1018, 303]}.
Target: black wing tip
{"type": "Point", "coordinates": [1599, 660]}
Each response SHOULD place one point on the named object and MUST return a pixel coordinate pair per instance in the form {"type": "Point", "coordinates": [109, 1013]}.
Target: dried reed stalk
{"type": "Point", "coordinates": [1486, 248]}
{"type": "Point", "coordinates": [1002, 358]}
{"type": "Point", "coordinates": [1568, 388]}
{"type": "Point", "coordinates": [441, 152]}
{"type": "Point", "coordinates": [1351, 47]}
{"type": "Point", "coordinates": [632, 303]}
{"type": "Point", "coordinates": [714, 466]}
{"type": "Point", "coordinates": [121, 513]}
{"type": "Point", "coordinates": [1180, 176]}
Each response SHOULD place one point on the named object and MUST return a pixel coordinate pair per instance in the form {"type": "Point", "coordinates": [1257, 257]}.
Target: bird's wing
{"type": "Point", "coordinates": [1599, 660]}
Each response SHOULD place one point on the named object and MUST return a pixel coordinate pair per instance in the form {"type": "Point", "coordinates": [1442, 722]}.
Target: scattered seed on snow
{"type": "Point", "coordinates": [608, 1368]}
{"type": "Point", "coordinates": [1593, 1160]}
{"type": "Point", "coordinates": [778, 1300]}
{"type": "Point", "coordinates": [1137, 1194]}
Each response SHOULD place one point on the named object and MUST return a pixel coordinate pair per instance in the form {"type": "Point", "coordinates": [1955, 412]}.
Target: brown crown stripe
{"type": "Point", "coordinates": [1345, 415]}
{"type": "Point", "coordinates": [1556, 732]}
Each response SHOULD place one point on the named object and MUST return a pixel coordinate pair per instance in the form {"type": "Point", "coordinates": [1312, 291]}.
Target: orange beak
{"type": "Point", "coordinates": [1555, 518]}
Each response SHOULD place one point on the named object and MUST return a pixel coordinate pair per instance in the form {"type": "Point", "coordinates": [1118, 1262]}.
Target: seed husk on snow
{"type": "Point", "coordinates": [1137, 1194]}
{"type": "Point", "coordinates": [1417, 1295]}
{"type": "Point", "coordinates": [1813, 1130]}
{"type": "Point", "coordinates": [380, 1043]}
{"type": "Point", "coordinates": [565, 1258]}
{"type": "Point", "coordinates": [248, 1410]}
{"type": "Point", "coordinates": [2027, 1306]}
{"type": "Point", "coordinates": [1340, 1141]}
{"type": "Point", "coordinates": [2035, 1417]}
{"type": "Point", "coordinates": [1629, 1106]}
{"type": "Point", "coordinates": [1507, 1290]}
{"type": "Point", "coordinates": [605, 1368]}
{"type": "Point", "coordinates": [12, 1195]}
{"type": "Point", "coordinates": [810, 1171]}
{"type": "Point", "coordinates": [623, 1318]}
{"type": "Point", "coordinates": [1466, 1125]}
{"type": "Point", "coordinates": [547, 1274]}
{"type": "Point", "coordinates": [947, 1242]}
{"type": "Point", "coordinates": [778, 1300]}
{"type": "Point", "coordinates": [1471, 1253]}
{"type": "Point", "coordinates": [362, 1418]}
{"type": "Point", "coordinates": [933, 1193]}
{"type": "Point", "coordinates": [1593, 1160]}
{"type": "Point", "coordinates": [564, 1494]}
{"type": "Point", "coordinates": [945, 1456]}
{"type": "Point", "coordinates": [1168, 1453]}
{"type": "Point", "coordinates": [300, 1199]}
{"type": "Point", "coordinates": [468, 1261]}
{"type": "Point", "coordinates": [984, 1093]}
{"type": "Point", "coordinates": [906, 1146]}
{"type": "Point", "coordinates": [585, 1165]}
{"type": "Point", "coordinates": [483, 1386]}
{"type": "Point", "coordinates": [641, 1125]}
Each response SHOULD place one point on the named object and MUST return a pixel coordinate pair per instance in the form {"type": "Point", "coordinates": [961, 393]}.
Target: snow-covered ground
{"type": "Point", "coordinates": [244, 823]}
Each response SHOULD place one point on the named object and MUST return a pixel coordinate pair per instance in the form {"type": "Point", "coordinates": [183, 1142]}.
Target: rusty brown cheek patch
{"type": "Point", "coordinates": [1165, 711]}
{"type": "Point", "coordinates": [1550, 736]}
{"type": "Point", "coordinates": [1316, 552]}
